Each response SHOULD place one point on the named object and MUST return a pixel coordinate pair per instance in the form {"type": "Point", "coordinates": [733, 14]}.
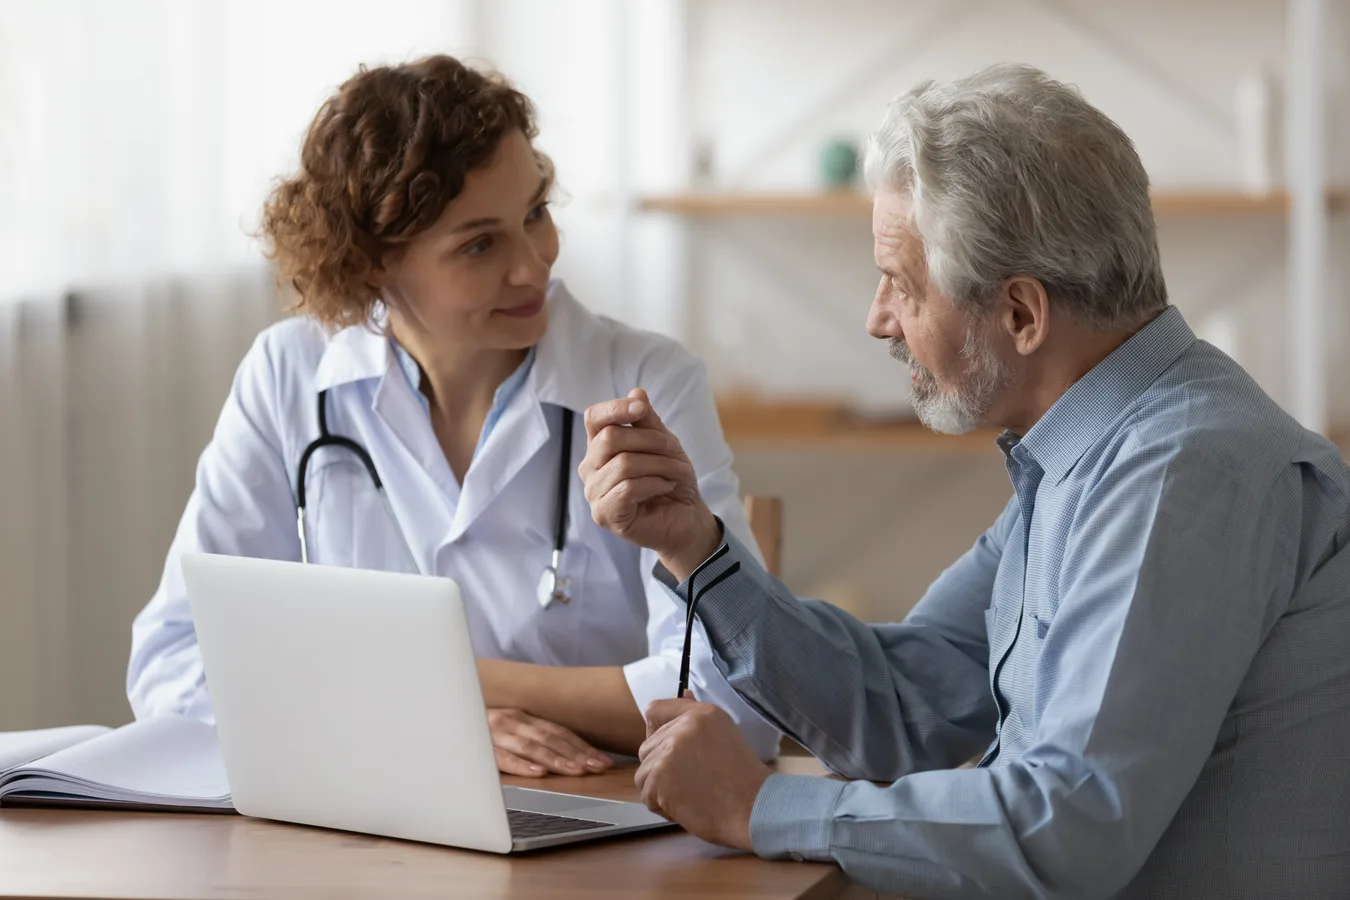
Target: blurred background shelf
{"type": "Point", "coordinates": [843, 204]}
{"type": "Point", "coordinates": [811, 425]}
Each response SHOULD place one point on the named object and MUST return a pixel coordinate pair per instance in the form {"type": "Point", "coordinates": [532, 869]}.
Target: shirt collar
{"type": "Point", "coordinates": [572, 365]}
{"type": "Point", "coordinates": [412, 373]}
{"type": "Point", "coordinates": [1089, 407]}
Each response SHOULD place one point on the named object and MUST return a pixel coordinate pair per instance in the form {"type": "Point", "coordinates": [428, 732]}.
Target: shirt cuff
{"type": "Point", "coordinates": [651, 678]}
{"type": "Point", "coordinates": [664, 576]}
{"type": "Point", "coordinates": [793, 817]}
{"type": "Point", "coordinates": [724, 607]}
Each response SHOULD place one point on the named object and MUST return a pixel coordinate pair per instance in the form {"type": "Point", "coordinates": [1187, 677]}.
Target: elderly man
{"type": "Point", "coordinates": [1150, 647]}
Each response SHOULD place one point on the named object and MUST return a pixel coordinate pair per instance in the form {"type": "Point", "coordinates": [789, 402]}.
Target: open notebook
{"type": "Point", "coordinates": [161, 763]}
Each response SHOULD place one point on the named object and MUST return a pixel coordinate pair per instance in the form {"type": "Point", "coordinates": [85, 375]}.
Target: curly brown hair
{"type": "Point", "coordinates": [381, 161]}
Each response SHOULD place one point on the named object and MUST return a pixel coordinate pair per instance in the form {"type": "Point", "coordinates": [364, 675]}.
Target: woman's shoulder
{"type": "Point", "coordinates": [635, 355]}
{"type": "Point", "coordinates": [286, 359]}
{"type": "Point", "coordinates": [303, 353]}
{"type": "Point", "coordinates": [297, 342]}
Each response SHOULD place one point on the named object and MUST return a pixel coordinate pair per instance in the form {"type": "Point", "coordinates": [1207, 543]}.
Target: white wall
{"type": "Point", "coordinates": [772, 81]}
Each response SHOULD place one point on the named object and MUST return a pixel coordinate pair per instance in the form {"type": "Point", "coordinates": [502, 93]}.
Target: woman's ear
{"type": "Point", "coordinates": [1024, 313]}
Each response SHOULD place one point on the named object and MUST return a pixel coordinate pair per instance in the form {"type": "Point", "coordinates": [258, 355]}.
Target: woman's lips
{"type": "Point", "coordinates": [524, 310]}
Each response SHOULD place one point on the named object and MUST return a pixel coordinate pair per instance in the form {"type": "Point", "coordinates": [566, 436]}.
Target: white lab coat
{"type": "Point", "coordinates": [493, 535]}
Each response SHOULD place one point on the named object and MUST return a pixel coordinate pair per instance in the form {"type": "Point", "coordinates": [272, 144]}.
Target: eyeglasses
{"type": "Point", "coordinates": [694, 598]}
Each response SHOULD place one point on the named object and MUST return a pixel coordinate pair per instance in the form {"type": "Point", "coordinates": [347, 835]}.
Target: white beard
{"type": "Point", "coordinates": [963, 409]}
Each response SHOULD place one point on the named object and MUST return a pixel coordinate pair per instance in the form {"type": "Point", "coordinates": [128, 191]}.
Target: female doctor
{"type": "Point", "coordinates": [433, 345]}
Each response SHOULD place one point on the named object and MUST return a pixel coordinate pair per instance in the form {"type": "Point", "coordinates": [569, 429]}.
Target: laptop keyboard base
{"type": "Point", "coordinates": [525, 824]}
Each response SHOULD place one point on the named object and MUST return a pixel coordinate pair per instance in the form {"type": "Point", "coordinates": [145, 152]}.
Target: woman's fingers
{"type": "Point", "coordinates": [557, 736]}
{"type": "Point", "coordinates": [544, 743]}
{"type": "Point", "coordinates": [511, 764]}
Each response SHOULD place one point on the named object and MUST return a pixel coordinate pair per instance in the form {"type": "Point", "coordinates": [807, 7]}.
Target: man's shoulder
{"type": "Point", "coordinates": [1207, 412]}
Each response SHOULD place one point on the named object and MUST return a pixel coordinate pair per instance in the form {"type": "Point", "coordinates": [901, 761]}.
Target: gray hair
{"type": "Point", "coordinates": [1010, 172]}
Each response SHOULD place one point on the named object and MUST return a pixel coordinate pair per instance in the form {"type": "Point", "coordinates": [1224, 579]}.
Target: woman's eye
{"type": "Point", "coordinates": [478, 247]}
{"type": "Point", "coordinates": [537, 213]}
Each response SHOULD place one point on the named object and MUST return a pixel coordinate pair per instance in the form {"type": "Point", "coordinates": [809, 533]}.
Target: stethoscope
{"type": "Point", "coordinates": [552, 585]}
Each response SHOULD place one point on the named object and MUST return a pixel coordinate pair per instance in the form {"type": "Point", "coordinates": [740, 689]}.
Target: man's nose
{"type": "Point", "coordinates": [882, 321]}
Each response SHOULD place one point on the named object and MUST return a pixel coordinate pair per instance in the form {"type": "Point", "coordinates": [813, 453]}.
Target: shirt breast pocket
{"type": "Point", "coordinates": [347, 523]}
{"type": "Point", "coordinates": [1027, 661]}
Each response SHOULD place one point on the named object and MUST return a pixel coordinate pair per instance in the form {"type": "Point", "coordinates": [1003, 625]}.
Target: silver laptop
{"type": "Point", "coordinates": [349, 699]}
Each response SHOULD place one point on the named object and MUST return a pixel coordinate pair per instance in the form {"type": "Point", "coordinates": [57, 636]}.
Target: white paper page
{"type": "Point", "coordinates": [166, 756]}
{"type": "Point", "coordinates": [19, 747]}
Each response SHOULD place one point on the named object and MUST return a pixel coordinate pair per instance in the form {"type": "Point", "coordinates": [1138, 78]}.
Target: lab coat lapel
{"type": "Point", "coordinates": [572, 370]}
{"type": "Point", "coordinates": [397, 405]}
{"type": "Point", "coordinates": [420, 486]}
{"type": "Point", "coordinates": [519, 435]}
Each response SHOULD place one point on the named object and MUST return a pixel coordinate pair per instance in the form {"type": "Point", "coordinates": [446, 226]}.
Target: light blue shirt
{"type": "Point", "coordinates": [1150, 648]}
{"type": "Point", "coordinates": [501, 398]}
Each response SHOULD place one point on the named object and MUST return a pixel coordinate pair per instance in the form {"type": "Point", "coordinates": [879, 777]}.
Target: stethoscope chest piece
{"type": "Point", "coordinates": [553, 586]}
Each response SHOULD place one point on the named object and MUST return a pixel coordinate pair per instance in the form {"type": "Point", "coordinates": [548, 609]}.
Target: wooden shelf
{"type": "Point", "coordinates": [830, 204]}
{"type": "Point", "coordinates": [851, 204]}
{"type": "Point", "coordinates": [830, 427]}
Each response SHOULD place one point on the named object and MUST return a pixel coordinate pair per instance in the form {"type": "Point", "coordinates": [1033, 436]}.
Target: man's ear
{"type": "Point", "coordinates": [1024, 313]}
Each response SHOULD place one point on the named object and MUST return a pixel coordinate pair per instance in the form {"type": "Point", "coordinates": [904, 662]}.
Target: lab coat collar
{"type": "Point", "coordinates": [355, 353]}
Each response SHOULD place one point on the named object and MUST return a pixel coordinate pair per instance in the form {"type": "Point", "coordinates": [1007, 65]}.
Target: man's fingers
{"type": "Point", "coordinates": [640, 779]}
{"type": "Point", "coordinates": [659, 712]}
{"type": "Point", "coordinates": [626, 411]}
{"type": "Point", "coordinates": [635, 466]}
{"type": "Point", "coordinates": [625, 495]}
{"type": "Point", "coordinates": [511, 764]}
{"type": "Point", "coordinates": [649, 418]}
{"type": "Point", "coordinates": [647, 794]}
{"type": "Point", "coordinates": [613, 440]}
{"type": "Point", "coordinates": [635, 409]}
{"type": "Point", "coordinates": [655, 737]}
{"type": "Point", "coordinates": [648, 781]}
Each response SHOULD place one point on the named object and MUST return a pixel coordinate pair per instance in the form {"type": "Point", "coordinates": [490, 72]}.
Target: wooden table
{"type": "Point", "coordinates": [97, 854]}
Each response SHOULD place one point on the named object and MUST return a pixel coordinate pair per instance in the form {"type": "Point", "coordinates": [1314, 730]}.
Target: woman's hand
{"type": "Point", "coordinates": [533, 747]}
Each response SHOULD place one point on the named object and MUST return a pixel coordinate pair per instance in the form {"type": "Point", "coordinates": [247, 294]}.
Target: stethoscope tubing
{"type": "Point", "coordinates": [328, 439]}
